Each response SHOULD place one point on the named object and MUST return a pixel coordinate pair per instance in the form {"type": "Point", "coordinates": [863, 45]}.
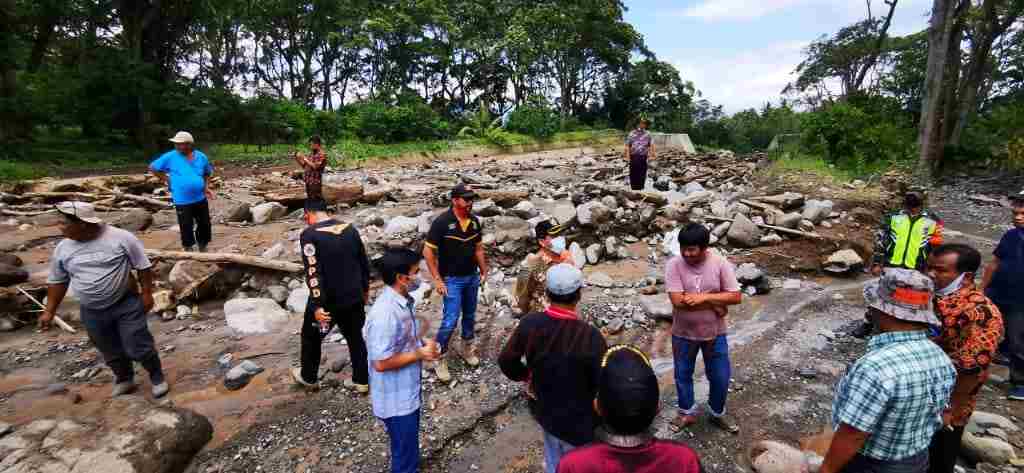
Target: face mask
{"type": "Point", "coordinates": [558, 245]}
{"type": "Point", "coordinates": [952, 287]}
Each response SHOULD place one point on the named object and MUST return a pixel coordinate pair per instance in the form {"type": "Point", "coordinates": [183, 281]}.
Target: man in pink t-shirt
{"type": "Point", "coordinates": [701, 284]}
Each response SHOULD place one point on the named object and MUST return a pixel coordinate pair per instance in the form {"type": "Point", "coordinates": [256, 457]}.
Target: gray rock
{"type": "Point", "coordinates": [676, 213]}
{"type": "Point", "coordinates": [593, 213]}
{"type": "Point", "coordinates": [278, 293]}
{"type": "Point", "coordinates": [424, 221]}
{"type": "Point", "coordinates": [266, 212]}
{"type": "Point", "coordinates": [127, 434]}
{"type": "Point", "coordinates": [486, 208]}
{"type": "Point", "coordinates": [670, 243]}
{"type": "Point", "coordinates": [276, 251]}
{"type": "Point", "coordinates": [817, 210]}
{"type": "Point", "coordinates": [594, 253]}
{"type": "Point", "coordinates": [7, 325]}
{"type": "Point", "coordinates": [524, 210]}
{"type": "Point", "coordinates": [615, 326]}
{"type": "Point", "coordinates": [611, 246]}
{"type": "Point", "coordinates": [610, 201]}
{"type": "Point", "coordinates": [806, 225]}
{"type": "Point", "coordinates": [721, 229]}
{"type": "Point", "coordinates": [990, 450]}
{"type": "Point", "coordinates": [786, 201]}
{"type": "Point", "coordinates": [187, 276]}
{"type": "Point", "coordinates": [792, 284]}
{"type": "Point", "coordinates": [183, 311]}
{"type": "Point", "coordinates": [696, 197]}
{"type": "Point", "coordinates": [743, 232]}
{"type": "Point", "coordinates": [133, 220]}
{"type": "Point", "coordinates": [564, 212]}
{"type": "Point", "coordinates": [601, 280]}
{"type": "Point", "coordinates": [692, 187]}
{"type": "Point", "coordinates": [239, 376]}
{"type": "Point", "coordinates": [843, 262]}
{"type": "Point", "coordinates": [657, 306]}
{"type": "Point", "coordinates": [254, 316]}
{"type": "Point", "coordinates": [771, 239]}
{"type": "Point", "coordinates": [238, 213]}
{"type": "Point", "coordinates": [579, 257]}
{"type": "Point", "coordinates": [790, 220]}
{"type": "Point", "coordinates": [981, 420]}
{"type": "Point", "coordinates": [297, 298]}
{"type": "Point", "coordinates": [11, 275]}
{"type": "Point", "coordinates": [401, 224]}
{"type": "Point", "coordinates": [748, 273]}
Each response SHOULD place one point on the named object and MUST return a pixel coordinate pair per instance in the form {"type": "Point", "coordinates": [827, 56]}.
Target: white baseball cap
{"type": "Point", "coordinates": [80, 210]}
{"type": "Point", "coordinates": [182, 137]}
{"type": "Point", "coordinates": [564, 279]}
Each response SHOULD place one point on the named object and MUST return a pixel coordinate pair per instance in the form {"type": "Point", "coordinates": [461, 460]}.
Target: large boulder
{"type": "Point", "coordinates": [127, 435]}
{"type": "Point", "coordinates": [692, 187]}
{"type": "Point", "coordinates": [254, 316]}
{"type": "Point", "coordinates": [564, 212]}
{"type": "Point", "coordinates": [983, 449]}
{"type": "Point", "coordinates": [579, 257]}
{"type": "Point", "coordinates": [843, 262]}
{"type": "Point", "coordinates": [187, 277]}
{"type": "Point", "coordinates": [786, 201]}
{"type": "Point", "coordinates": [401, 224]}
{"type": "Point", "coordinates": [769, 456]}
{"type": "Point", "coordinates": [504, 199]}
{"type": "Point", "coordinates": [237, 213]}
{"type": "Point", "coordinates": [11, 275]}
{"type": "Point", "coordinates": [342, 193]}
{"type": "Point", "coordinates": [297, 300]}
{"type": "Point", "coordinates": [133, 220]}
{"type": "Point", "coordinates": [657, 306]}
{"type": "Point", "coordinates": [524, 210]}
{"type": "Point", "coordinates": [789, 220]}
{"type": "Point", "coordinates": [239, 376]}
{"type": "Point", "coordinates": [593, 213]}
{"type": "Point", "coordinates": [511, 229]}
{"type": "Point", "coordinates": [594, 253]}
{"type": "Point", "coordinates": [266, 212]}
{"type": "Point", "coordinates": [743, 232]}
{"type": "Point", "coordinates": [486, 208]}
{"type": "Point", "coordinates": [748, 273]}
{"type": "Point", "coordinates": [817, 210]}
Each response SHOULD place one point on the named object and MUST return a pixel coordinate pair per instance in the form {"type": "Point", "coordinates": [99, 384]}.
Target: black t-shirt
{"type": "Point", "coordinates": [337, 270]}
{"type": "Point", "coordinates": [455, 244]}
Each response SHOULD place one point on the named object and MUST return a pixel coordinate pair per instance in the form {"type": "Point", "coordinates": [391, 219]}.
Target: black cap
{"type": "Point", "coordinates": [316, 205]}
{"type": "Point", "coordinates": [913, 199]}
{"type": "Point", "coordinates": [627, 390]}
{"type": "Point", "coordinates": [548, 228]}
{"type": "Point", "coordinates": [464, 191]}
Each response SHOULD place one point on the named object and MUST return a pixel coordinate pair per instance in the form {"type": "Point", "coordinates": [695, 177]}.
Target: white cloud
{"type": "Point", "coordinates": [716, 10]}
{"type": "Point", "coordinates": [744, 80]}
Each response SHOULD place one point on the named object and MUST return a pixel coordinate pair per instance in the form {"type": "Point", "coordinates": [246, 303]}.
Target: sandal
{"type": "Point", "coordinates": [723, 423]}
{"type": "Point", "coordinates": [682, 422]}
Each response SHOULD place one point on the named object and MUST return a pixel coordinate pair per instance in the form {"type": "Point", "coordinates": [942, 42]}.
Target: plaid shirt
{"type": "Point", "coordinates": [896, 393]}
{"type": "Point", "coordinates": [391, 328]}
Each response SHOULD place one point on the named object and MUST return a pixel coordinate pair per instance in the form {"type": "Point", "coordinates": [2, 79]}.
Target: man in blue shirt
{"type": "Point", "coordinates": [187, 171]}
{"type": "Point", "coordinates": [1003, 283]}
{"type": "Point", "coordinates": [396, 353]}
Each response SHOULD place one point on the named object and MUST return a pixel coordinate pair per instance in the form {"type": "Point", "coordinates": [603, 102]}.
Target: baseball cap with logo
{"type": "Point", "coordinates": [79, 210]}
{"type": "Point", "coordinates": [464, 191]}
{"type": "Point", "coordinates": [546, 228]}
{"type": "Point", "coordinates": [904, 294]}
{"type": "Point", "coordinates": [564, 279]}
{"type": "Point", "coordinates": [182, 137]}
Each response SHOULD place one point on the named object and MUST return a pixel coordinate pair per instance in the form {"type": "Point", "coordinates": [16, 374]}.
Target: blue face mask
{"type": "Point", "coordinates": [558, 245]}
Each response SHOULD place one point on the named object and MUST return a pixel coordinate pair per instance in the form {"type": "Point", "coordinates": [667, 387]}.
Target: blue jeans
{"type": "Point", "coordinates": [716, 367]}
{"type": "Point", "coordinates": [461, 300]}
{"type": "Point", "coordinates": [404, 432]}
{"type": "Point", "coordinates": [554, 449]}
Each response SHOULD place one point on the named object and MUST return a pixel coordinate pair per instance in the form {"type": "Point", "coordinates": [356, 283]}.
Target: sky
{"type": "Point", "coordinates": [742, 53]}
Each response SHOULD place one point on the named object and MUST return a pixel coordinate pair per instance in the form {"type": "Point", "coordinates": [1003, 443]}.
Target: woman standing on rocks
{"type": "Point", "coordinates": [639, 149]}
{"type": "Point", "coordinates": [530, 291]}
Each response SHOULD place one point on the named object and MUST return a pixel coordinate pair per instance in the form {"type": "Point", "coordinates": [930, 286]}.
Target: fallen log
{"type": "Point", "coordinates": [56, 318]}
{"type": "Point", "coordinates": [761, 206]}
{"type": "Point", "coordinates": [79, 196]}
{"type": "Point", "coordinates": [15, 213]}
{"type": "Point", "coordinates": [234, 258]}
{"type": "Point", "coordinates": [772, 227]}
{"type": "Point", "coordinates": [143, 200]}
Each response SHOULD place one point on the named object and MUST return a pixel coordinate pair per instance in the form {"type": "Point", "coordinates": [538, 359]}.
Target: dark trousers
{"type": "Point", "coordinates": [404, 433]}
{"type": "Point", "coordinates": [861, 464]}
{"type": "Point", "coordinates": [637, 172]}
{"type": "Point", "coordinates": [121, 335]}
{"type": "Point", "coordinates": [944, 450]}
{"type": "Point", "coordinates": [350, 320]}
{"type": "Point", "coordinates": [1013, 326]}
{"type": "Point", "coordinates": [194, 221]}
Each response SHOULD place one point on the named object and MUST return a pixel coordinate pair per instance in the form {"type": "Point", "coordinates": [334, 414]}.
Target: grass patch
{"type": "Point", "coordinates": [843, 171]}
{"type": "Point", "coordinates": [13, 171]}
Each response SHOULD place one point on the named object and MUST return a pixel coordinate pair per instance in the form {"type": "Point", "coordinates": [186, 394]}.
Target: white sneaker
{"type": "Point", "coordinates": [121, 389]}
{"type": "Point", "coordinates": [441, 368]}
{"type": "Point", "coordinates": [160, 390]}
{"type": "Point", "coordinates": [297, 376]}
{"type": "Point", "coordinates": [359, 388]}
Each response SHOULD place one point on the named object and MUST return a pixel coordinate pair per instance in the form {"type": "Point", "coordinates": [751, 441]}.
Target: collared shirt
{"type": "Point", "coordinates": [391, 328]}
{"type": "Point", "coordinates": [313, 174]}
{"type": "Point", "coordinates": [455, 242]}
{"type": "Point", "coordinates": [971, 329]}
{"type": "Point", "coordinates": [715, 274]}
{"type": "Point", "coordinates": [895, 393]}
{"type": "Point", "coordinates": [639, 142]}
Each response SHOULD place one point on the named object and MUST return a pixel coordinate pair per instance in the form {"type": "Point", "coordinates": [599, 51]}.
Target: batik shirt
{"type": "Point", "coordinates": [313, 175]}
{"type": "Point", "coordinates": [532, 288]}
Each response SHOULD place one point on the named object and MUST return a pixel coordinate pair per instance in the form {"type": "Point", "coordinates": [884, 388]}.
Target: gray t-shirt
{"type": "Point", "coordinates": [99, 270]}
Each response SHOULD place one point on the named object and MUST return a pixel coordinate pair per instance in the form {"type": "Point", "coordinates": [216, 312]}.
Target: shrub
{"type": "Point", "coordinates": [410, 119]}
{"type": "Point", "coordinates": [537, 121]}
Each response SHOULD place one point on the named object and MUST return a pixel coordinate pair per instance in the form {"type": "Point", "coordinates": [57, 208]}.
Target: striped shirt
{"type": "Point", "coordinates": [896, 393]}
{"type": "Point", "coordinates": [391, 328]}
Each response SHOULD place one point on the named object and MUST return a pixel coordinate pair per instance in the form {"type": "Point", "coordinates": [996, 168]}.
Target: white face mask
{"type": "Point", "coordinates": [558, 245]}
{"type": "Point", "coordinates": [952, 287]}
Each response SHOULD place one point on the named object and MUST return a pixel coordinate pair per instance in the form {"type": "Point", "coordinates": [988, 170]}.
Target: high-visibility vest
{"type": "Point", "coordinates": [910, 235]}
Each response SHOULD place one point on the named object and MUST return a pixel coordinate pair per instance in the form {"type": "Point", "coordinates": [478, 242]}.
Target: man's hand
{"type": "Point", "coordinates": [147, 301]}
{"type": "Point", "coordinates": [441, 288]}
{"type": "Point", "coordinates": [322, 316]}
{"type": "Point", "coordinates": [694, 299]}
{"type": "Point", "coordinates": [430, 351]}
{"type": "Point", "coordinates": [876, 270]}
{"type": "Point", "coordinates": [45, 319]}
